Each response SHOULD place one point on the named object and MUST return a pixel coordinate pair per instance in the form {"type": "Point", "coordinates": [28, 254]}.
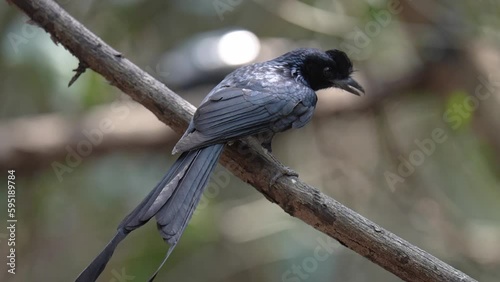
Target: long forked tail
{"type": "Point", "coordinates": [172, 201]}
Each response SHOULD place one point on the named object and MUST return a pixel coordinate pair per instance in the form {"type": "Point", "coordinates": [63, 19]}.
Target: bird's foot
{"type": "Point", "coordinates": [266, 152]}
{"type": "Point", "coordinates": [284, 171]}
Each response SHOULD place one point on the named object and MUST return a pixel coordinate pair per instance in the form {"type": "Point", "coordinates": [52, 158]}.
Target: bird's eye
{"type": "Point", "coordinates": [327, 72]}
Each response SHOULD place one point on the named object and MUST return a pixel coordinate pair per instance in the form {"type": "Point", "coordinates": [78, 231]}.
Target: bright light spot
{"type": "Point", "coordinates": [238, 47]}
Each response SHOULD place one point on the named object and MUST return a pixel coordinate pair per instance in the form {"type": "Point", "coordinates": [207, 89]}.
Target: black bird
{"type": "Point", "coordinates": [259, 99]}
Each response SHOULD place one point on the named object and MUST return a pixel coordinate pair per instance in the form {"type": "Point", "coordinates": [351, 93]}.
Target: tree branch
{"type": "Point", "coordinates": [37, 142]}
{"type": "Point", "coordinates": [249, 163]}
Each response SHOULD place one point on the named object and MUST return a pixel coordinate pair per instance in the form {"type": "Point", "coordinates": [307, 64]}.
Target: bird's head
{"type": "Point", "coordinates": [322, 70]}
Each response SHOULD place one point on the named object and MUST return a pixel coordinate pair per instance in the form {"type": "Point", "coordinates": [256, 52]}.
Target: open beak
{"type": "Point", "coordinates": [350, 85]}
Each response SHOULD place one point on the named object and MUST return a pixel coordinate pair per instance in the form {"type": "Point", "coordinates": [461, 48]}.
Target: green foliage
{"type": "Point", "coordinates": [95, 90]}
{"type": "Point", "coordinates": [457, 104]}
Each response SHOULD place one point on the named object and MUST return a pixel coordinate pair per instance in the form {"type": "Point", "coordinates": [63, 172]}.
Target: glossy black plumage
{"type": "Point", "coordinates": [268, 97]}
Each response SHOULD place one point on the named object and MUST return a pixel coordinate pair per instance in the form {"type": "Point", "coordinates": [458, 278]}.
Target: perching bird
{"type": "Point", "coordinates": [255, 100]}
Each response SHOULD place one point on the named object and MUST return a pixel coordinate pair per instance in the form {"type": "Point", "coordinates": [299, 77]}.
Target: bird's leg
{"type": "Point", "coordinates": [267, 146]}
{"type": "Point", "coordinates": [283, 170]}
{"type": "Point", "coordinates": [264, 139]}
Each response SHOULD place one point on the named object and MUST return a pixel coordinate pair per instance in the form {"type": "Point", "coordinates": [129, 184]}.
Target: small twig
{"type": "Point", "coordinates": [79, 70]}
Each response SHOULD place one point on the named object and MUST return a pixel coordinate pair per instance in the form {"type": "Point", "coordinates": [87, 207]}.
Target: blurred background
{"type": "Point", "coordinates": [419, 154]}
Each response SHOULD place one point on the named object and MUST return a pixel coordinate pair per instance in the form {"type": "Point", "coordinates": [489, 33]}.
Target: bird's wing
{"type": "Point", "coordinates": [231, 113]}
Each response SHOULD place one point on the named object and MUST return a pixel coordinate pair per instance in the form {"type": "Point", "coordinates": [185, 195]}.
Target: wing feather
{"type": "Point", "coordinates": [235, 112]}
{"type": "Point", "coordinates": [231, 113]}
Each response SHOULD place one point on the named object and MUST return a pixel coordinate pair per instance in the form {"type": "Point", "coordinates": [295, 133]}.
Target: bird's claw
{"type": "Point", "coordinates": [284, 171]}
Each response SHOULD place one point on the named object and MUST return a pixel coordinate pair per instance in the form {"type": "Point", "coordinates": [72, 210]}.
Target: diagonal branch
{"type": "Point", "coordinates": [249, 163]}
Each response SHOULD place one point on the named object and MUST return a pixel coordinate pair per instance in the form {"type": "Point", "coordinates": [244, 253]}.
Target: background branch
{"type": "Point", "coordinates": [295, 197]}
{"type": "Point", "coordinates": [32, 143]}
